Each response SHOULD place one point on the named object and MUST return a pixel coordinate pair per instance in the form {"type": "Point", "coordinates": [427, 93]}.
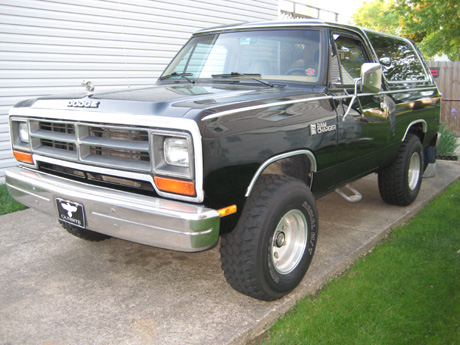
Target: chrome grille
{"type": "Point", "coordinates": [120, 147]}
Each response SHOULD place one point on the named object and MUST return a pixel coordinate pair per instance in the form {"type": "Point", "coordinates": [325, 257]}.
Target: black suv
{"type": "Point", "coordinates": [245, 128]}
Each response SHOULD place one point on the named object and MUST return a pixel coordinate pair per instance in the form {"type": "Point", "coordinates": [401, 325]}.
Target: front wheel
{"type": "Point", "coordinates": [399, 184]}
{"type": "Point", "coordinates": [268, 253]}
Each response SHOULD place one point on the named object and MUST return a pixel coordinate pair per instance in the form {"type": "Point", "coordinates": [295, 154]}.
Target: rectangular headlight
{"type": "Point", "coordinates": [23, 132]}
{"type": "Point", "coordinates": [20, 138]}
{"type": "Point", "coordinates": [173, 154]}
{"type": "Point", "coordinates": [176, 152]}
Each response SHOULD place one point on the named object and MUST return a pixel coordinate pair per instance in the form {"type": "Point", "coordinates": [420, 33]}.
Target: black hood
{"type": "Point", "coordinates": [173, 100]}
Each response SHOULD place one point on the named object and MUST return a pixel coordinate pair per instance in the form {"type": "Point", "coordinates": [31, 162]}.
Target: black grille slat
{"type": "Point", "coordinates": [105, 180]}
{"type": "Point", "coordinates": [60, 145]}
{"type": "Point", "coordinates": [118, 134]}
{"type": "Point", "coordinates": [67, 128]}
{"type": "Point", "coordinates": [120, 154]}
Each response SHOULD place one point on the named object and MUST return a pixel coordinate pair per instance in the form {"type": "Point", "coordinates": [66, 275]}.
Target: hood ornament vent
{"type": "Point", "coordinates": [89, 86]}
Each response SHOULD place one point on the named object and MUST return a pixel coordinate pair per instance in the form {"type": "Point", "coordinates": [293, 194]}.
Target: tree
{"type": "Point", "coordinates": [378, 15]}
{"type": "Point", "coordinates": [436, 22]}
{"type": "Point", "coordinates": [433, 24]}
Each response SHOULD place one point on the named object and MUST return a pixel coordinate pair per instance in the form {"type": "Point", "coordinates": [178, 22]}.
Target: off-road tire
{"type": "Point", "coordinates": [399, 184]}
{"type": "Point", "coordinates": [84, 234]}
{"type": "Point", "coordinates": [277, 207]}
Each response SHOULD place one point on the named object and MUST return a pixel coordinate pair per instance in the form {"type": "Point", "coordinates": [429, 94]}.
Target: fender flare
{"type": "Point", "coordinates": [424, 127]}
{"type": "Point", "coordinates": [273, 159]}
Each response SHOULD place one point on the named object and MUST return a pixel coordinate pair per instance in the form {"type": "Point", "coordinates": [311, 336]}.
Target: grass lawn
{"type": "Point", "coordinates": [7, 203]}
{"type": "Point", "coordinates": [407, 291]}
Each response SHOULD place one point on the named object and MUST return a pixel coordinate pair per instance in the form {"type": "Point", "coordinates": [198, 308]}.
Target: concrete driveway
{"type": "Point", "coordinates": [57, 289]}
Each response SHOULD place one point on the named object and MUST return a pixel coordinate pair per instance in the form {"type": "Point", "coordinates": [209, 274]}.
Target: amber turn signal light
{"type": "Point", "coordinates": [24, 157]}
{"type": "Point", "coordinates": [227, 210]}
{"type": "Point", "coordinates": [175, 186]}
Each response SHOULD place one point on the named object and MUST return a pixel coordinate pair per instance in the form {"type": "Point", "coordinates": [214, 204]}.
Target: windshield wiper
{"type": "Point", "coordinates": [182, 75]}
{"type": "Point", "coordinates": [253, 76]}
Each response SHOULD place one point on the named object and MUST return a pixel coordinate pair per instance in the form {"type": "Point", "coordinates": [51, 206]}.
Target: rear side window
{"type": "Point", "coordinates": [398, 58]}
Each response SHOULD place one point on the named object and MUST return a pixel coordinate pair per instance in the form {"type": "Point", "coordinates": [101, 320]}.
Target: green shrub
{"type": "Point", "coordinates": [448, 142]}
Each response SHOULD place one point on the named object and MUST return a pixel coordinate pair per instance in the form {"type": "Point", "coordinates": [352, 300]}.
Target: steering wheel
{"type": "Point", "coordinates": [296, 69]}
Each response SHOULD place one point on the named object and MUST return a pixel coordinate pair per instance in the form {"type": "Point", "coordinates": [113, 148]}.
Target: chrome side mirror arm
{"type": "Point", "coordinates": [370, 81]}
{"type": "Point", "coordinates": [353, 99]}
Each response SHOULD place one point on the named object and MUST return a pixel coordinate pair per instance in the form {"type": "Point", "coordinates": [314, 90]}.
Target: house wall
{"type": "Point", "coordinates": [50, 46]}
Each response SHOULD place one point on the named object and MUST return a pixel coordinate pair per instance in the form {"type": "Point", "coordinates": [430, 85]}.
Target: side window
{"type": "Point", "coordinates": [350, 55]}
{"type": "Point", "coordinates": [398, 58]}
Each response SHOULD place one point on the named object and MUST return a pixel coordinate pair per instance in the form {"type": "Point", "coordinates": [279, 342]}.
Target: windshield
{"type": "Point", "coordinates": [291, 55]}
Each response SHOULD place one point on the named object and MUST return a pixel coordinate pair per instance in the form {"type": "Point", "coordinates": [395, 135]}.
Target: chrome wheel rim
{"type": "Point", "coordinates": [289, 242]}
{"type": "Point", "coordinates": [414, 171]}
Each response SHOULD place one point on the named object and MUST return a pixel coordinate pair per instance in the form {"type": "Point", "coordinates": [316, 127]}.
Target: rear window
{"type": "Point", "coordinates": [398, 58]}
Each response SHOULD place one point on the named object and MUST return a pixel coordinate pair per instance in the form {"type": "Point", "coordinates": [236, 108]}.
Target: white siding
{"type": "Point", "coordinates": [50, 46]}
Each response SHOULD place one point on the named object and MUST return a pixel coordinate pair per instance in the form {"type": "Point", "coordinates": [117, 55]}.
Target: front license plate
{"type": "Point", "coordinates": [71, 212]}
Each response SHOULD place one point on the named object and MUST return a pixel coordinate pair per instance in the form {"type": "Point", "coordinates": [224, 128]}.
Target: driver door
{"type": "Point", "coordinates": [363, 125]}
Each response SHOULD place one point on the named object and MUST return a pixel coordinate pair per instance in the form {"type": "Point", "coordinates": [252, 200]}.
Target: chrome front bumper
{"type": "Point", "coordinates": [152, 221]}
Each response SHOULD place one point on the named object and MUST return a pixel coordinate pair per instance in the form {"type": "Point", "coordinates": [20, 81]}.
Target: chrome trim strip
{"type": "Point", "coordinates": [261, 106]}
{"type": "Point", "coordinates": [187, 233]}
{"type": "Point", "coordinates": [411, 90]}
{"type": "Point", "coordinates": [384, 92]}
{"type": "Point", "coordinates": [22, 190]}
{"type": "Point", "coordinates": [259, 171]}
{"type": "Point", "coordinates": [148, 121]}
{"type": "Point", "coordinates": [424, 127]}
{"type": "Point", "coordinates": [407, 81]}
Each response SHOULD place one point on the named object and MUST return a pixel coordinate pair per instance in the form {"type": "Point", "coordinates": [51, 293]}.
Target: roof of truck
{"type": "Point", "coordinates": [274, 24]}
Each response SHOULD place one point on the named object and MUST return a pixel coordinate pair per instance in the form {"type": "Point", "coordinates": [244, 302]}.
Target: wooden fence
{"type": "Point", "coordinates": [447, 77]}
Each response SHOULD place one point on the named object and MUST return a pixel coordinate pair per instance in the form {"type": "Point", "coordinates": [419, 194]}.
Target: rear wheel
{"type": "Point", "coordinates": [399, 184]}
{"type": "Point", "coordinates": [268, 253]}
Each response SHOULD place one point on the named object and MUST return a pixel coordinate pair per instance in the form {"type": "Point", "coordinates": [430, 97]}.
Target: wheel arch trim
{"type": "Point", "coordinates": [273, 159]}
{"type": "Point", "coordinates": [424, 127]}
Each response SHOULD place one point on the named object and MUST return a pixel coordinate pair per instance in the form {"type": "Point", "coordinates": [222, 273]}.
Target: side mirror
{"type": "Point", "coordinates": [371, 77]}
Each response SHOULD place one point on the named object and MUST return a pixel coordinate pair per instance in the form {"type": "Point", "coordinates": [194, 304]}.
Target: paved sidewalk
{"type": "Point", "coordinates": [57, 289]}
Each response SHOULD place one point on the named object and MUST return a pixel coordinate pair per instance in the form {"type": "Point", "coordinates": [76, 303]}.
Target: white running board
{"type": "Point", "coordinates": [355, 197]}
